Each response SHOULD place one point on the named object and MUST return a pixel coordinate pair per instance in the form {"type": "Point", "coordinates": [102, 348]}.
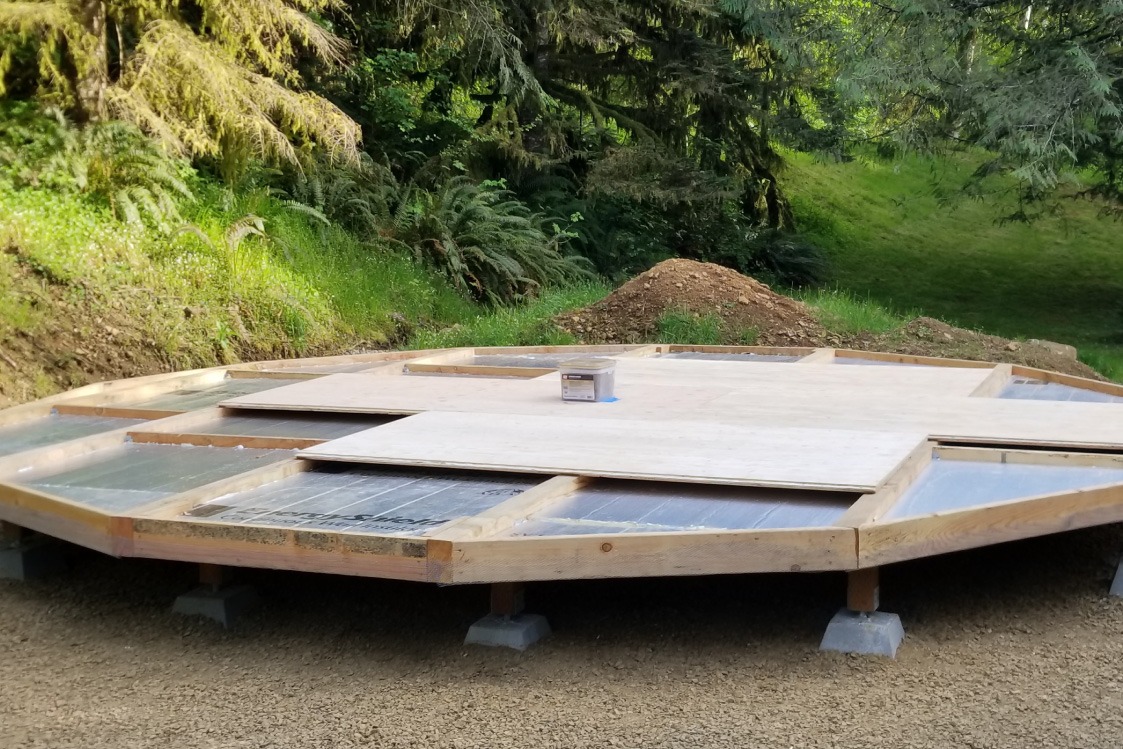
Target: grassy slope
{"type": "Point", "coordinates": [83, 296]}
{"type": "Point", "coordinates": [891, 240]}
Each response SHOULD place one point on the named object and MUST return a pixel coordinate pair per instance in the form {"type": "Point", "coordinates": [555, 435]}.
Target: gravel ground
{"type": "Point", "coordinates": [1015, 646]}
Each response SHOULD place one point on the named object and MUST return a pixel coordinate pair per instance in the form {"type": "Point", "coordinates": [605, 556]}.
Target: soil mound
{"type": "Point", "coordinates": [745, 307]}
{"type": "Point", "coordinates": [926, 336]}
{"type": "Point", "coordinates": [750, 312]}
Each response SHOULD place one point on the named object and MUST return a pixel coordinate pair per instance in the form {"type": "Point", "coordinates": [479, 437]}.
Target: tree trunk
{"type": "Point", "coordinates": [92, 62]}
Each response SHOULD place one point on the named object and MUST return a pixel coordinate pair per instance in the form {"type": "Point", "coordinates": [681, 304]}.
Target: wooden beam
{"type": "Point", "coordinates": [11, 534]}
{"type": "Point", "coordinates": [928, 361]}
{"type": "Point", "coordinates": [997, 522]}
{"type": "Point", "coordinates": [214, 576]}
{"type": "Point", "coordinates": [224, 440]}
{"type": "Point", "coordinates": [505, 514]}
{"type": "Point", "coordinates": [641, 555]}
{"type": "Point", "coordinates": [508, 599]}
{"type": "Point", "coordinates": [803, 351]}
{"type": "Point", "coordinates": [1030, 457]}
{"type": "Point", "coordinates": [1084, 383]}
{"type": "Point", "coordinates": [61, 452]}
{"type": "Point", "coordinates": [271, 547]}
{"type": "Point", "coordinates": [818, 356]}
{"type": "Point", "coordinates": [120, 412]}
{"type": "Point", "coordinates": [176, 505]}
{"type": "Point", "coordinates": [995, 382]}
{"type": "Point", "coordinates": [863, 591]}
{"type": "Point", "coordinates": [480, 370]}
{"type": "Point", "coordinates": [870, 507]}
{"type": "Point", "coordinates": [61, 518]}
{"type": "Point", "coordinates": [269, 374]}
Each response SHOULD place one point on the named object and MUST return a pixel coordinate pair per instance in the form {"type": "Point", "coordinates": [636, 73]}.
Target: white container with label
{"type": "Point", "coordinates": [588, 379]}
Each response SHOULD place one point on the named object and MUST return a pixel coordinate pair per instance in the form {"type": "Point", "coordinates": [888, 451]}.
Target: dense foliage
{"type": "Point", "coordinates": [497, 140]}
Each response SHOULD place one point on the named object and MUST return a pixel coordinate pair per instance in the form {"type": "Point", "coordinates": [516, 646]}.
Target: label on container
{"type": "Point", "coordinates": [578, 387]}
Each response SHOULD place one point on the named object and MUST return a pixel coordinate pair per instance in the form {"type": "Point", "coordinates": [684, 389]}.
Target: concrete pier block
{"type": "Point", "coordinates": [31, 558]}
{"type": "Point", "coordinates": [223, 605]}
{"type": "Point", "coordinates": [518, 632]}
{"type": "Point", "coordinates": [1117, 583]}
{"type": "Point", "coordinates": [864, 633]}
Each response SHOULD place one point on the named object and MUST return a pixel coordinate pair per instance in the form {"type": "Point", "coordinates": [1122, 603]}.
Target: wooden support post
{"type": "Point", "coordinates": [862, 590]}
{"type": "Point", "coordinates": [507, 599]}
{"type": "Point", "coordinates": [11, 535]}
{"type": "Point", "coordinates": [214, 576]}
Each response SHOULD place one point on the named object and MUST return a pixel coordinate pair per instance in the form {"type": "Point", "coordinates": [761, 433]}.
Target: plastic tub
{"type": "Point", "coordinates": [588, 380]}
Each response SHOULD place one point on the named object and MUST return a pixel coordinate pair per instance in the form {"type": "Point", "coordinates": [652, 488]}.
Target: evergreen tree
{"type": "Point", "coordinates": [209, 78]}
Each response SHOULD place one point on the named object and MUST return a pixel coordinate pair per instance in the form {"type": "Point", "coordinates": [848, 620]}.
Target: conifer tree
{"type": "Point", "coordinates": [211, 78]}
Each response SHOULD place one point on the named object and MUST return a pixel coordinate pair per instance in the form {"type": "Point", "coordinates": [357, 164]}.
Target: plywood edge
{"type": "Point", "coordinates": [178, 504]}
{"type": "Point", "coordinates": [995, 382]}
{"type": "Point", "coordinates": [274, 547]}
{"type": "Point", "coordinates": [557, 470]}
{"type": "Point", "coordinates": [1084, 383]}
{"type": "Point", "coordinates": [869, 507]}
{"type": "Point", "coordinates": [647, 555]}
{"type": "Point", "coordinates": [984, 525]}
{"type": "Point", "coordinates": [505, 514]}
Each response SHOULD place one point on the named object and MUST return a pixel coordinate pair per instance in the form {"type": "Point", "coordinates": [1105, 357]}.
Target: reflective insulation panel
{"type": "Point", "coordinates": [135, 474]}
{"type": "Point", "coordinates": [56, 428]}
{"type": "Point", "coordinates": [338, 497]}
{"type": "Point", "coordinates": [246, 423]}
{"type": "Point", "coordinates": [957, 484]}
{"type": "Point", "coordinates": [1027, 388]}
{"type": "Point", "coordinates": [194, 398]}
{"type": "Point", "coordinates": [644, 507]}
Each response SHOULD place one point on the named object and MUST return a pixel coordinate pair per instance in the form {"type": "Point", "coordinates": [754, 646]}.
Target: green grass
{"type": "Point", "coordinates": [683, 326]}
{"type": "Point", "coordinates": [523, 325]}
{"type": "Point", "coordinates": [902, 235]}
{"type": "Point", "coordinates": [213, 293]}
{"type": "Point", "coordinates": [845, 313]}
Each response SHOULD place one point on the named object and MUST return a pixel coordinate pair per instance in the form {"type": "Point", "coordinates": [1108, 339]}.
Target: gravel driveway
{"type": "Point", "coordinates": [1016, 646]}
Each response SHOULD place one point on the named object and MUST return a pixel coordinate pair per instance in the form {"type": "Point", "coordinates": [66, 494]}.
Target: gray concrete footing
{"type": "Point", "coordinates": [1117, 583]}
{"type": "Point", "coordinates": [223, 605]}
{"type": "Point", "coordinates": [31, 558]}
{"type": "Point", "coordinates": [518, 632]}
{"type": "Point", "coordinates": [864, 633]}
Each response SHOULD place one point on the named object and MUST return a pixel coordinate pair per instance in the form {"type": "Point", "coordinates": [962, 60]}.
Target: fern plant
{"type": "Point", "coordinates": [485, 241]}
{"type": "Point", "coordinates": [109, 161]}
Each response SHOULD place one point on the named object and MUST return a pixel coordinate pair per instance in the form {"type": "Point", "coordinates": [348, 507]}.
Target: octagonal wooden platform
{"type": "Point", "coordinates": [465, 466]}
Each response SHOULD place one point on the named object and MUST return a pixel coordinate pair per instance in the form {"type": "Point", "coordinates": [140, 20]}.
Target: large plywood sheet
{"type": "Point", "coordinates": [697, 452]}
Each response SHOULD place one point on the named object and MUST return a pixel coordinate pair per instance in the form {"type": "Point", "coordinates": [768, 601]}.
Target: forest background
{"type": "Point", "coordinates": [184, 183]}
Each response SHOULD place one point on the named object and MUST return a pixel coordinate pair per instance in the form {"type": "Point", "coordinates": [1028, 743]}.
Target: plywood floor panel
{"type": "Point", "coordinates": [698, 452]}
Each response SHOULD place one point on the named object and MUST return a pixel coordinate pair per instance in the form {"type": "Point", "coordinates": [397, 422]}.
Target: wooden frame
{"type": "Point", "coordinates": [484, 547]}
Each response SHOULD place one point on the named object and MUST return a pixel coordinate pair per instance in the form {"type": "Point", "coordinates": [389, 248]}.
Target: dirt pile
{"type": "Point", "coordinates": [749, 311]}
{"type": "Point", "coordinates": [925, 336]}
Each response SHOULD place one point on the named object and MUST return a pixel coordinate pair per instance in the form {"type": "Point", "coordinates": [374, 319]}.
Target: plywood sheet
{"type": "Point", "coordinates": [660, 450]}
